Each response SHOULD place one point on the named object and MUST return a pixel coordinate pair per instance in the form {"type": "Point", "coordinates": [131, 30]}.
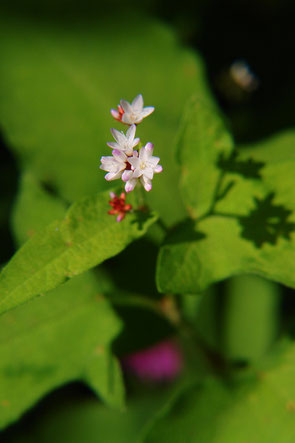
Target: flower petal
{"type": "Point", "coordinates": [134, 161]}
{"type": "Point", "coordinates": [113, 145]}
{"type": "Point", "coordinates": [120, 216]}
{"type": "Point", "coordinates": [119, 155]}
{"type": "Point", "coordinates": [108, 163]}
{"type": "Point", "coordinates": [137, 173]}
{"type": "Point", "coordinates": [147, 184]}
{"type": "Point", "coordinates": [115, 114]}
{"type": "Point", "coordinates": [127, 175]}
{"type": "Point", "coordinates": [130, 134]}
{"type": "Point", "coordinates": [153, 161]}
{"type": "Point", "coordinates": [158, 168]}
{"type": "Point", "coordinates": [112, 176]}
{"type": "Point", "coordinates": [126, 106]}
{"type": "Point", "coordinates": [135, 142]}
{"type": "Point", "coordinates": [149, 147]}
{"type": "Point", "coordinates": [149, 173]}
{"type": "Point", "coordinates": [118, 136]}
{"type": "Point", "coordinates": [137, 103]}
{"type": "Point", "coordinates": [130, 185]}
{"type": "Point", "coordinates": [147, 111]}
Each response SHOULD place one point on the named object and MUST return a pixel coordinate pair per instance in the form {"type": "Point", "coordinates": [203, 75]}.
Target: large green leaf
{"type": "Point", "coordinates": [202, 138]}
{"type": "Point", "coordinates": [245, 220]}
{"type": "Point", "coordinates": [87, 236]}
{"type": "Point", "coordinates": [59, 81]}
{"type": "Point", "coordinates": [260, 410]}
{"type": "Point", "coordinates": [54, 340]}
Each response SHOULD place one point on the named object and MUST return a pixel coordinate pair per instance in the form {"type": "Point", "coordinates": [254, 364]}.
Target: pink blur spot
{"type": "Point", "coordinates": [161, 362]}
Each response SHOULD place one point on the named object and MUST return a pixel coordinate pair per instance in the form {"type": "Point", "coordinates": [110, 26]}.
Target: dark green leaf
{"type": "Point", "coordinates": [56, 339]}
{"type": "Point", "coordinates": [258, 410]}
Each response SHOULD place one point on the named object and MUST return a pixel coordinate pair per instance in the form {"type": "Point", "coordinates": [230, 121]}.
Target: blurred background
{"type": "Point", "coordinates": [247, 47]}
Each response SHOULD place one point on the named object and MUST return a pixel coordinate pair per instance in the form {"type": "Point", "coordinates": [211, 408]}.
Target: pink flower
{"type": "Point", "coordinates": [143, 167]}
{"type": "Point", "coordinates": [132, 113]}
{"type": "Point", "coordinates": [161, 362]}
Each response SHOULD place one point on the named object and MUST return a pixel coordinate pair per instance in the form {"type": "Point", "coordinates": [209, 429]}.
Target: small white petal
{"type": "Point", "coordinates": [147, 184]}
{"type": "Point", "coordinates": [115, 114]}
{"type": "Point", "coordinates": [149, 147]}
{"type": "Point", "coordinates": [112, 176]}
{"type": "Point", "coordinates": [158, 168]}
{"type": "Point", "coordinates": [131, 132]}
{"type": "Point", "coordinates": [135, 142]}
{"type": "Point", "coordinates": [113, 145]}
{"type": "Point", "coordinates": [127, 175]}
{"type": "Point", "coordinates": [147, 111]}
{"type": "Point", "coordinates": [143, 154]}
{"type": "Point", "coordinates": [130, 185]}
{"type": "Point", "coordinates": [118, 136]}
{"type": "Point", "coordinates": [148, 187]}
{"type": "Point", "coordinates": [119, 155]}
{"type": "Point", "coordinates": [107, 163]}
{"type": "Point", "coordinates": [137, 173]}
{"type": "Point", "coordinates": [149, 173]}
{"type": "Point", "coordinates": [153, 161]}
{"type": "Point", "coordinates": [137, 103]}
{"type": "Point", "coordinates": [112, 195]}
{"type": "Point", "coordinates": [126, 106]}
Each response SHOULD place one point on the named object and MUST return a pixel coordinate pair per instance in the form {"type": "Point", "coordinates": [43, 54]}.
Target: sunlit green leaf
{"type": "Point", "coordinates": [87, 236]}
{"type": "Point", "coordinates": [203, 137]}
{"type": "Point", "coordinates": [249, 221]}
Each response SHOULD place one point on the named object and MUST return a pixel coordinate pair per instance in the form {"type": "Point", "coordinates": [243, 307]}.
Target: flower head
{"type": "Point", "coordinates": [132, 113]}
{"type": "Point", "coordinates": [115, 164]}
{"type": "Point", "coordinates": [119, 206]}
{"type": "Point", "coordinates": [124, 143]}
{"type": "Point", "coordinates": [143, 167]}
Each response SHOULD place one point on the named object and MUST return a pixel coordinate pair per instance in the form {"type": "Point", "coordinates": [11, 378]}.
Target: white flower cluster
{"type": "Point", "coordinates": [131, 165]}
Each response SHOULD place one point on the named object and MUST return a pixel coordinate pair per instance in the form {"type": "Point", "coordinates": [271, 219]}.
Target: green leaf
{"type": "Point", "coordinates": [203, 137]}
{"type": "Point", "coordinates": [54, 340]}
{"type": "Point", "coordinates": [259, 410]}
{"type": "Point", "coordinates": [60, 80]}
{"type": "Point", "coordinates": [87, 236]}
{"type": "Point", "coordinates": [34, 209]}
{"type": "Point", "coordinates": [249, 220]}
